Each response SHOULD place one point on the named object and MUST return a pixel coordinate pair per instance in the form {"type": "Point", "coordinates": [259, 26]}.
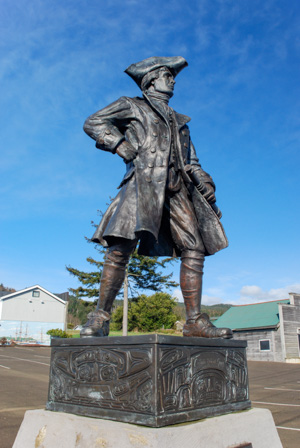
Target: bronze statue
{"type": "Point", "coordinates": [166, 201]}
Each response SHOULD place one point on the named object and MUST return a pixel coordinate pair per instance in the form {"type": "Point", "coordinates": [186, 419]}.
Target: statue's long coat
{"type": "Point", "coordinates": [138, 208]}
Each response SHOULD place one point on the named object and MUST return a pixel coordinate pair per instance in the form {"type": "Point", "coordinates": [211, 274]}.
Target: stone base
{"type": "Point", "coordinates": [248, 429]}
{"type": "Point", "coordinates": [151, 380]}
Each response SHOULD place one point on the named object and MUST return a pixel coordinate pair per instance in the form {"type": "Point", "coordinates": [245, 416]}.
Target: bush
{"type": "Point", "coordinates": [117, 319]}
{"type": "Point", "coordinates": [148, 313]}
{"type": "Point", "coordinates": [3, 341]}
{"type": "Point", "coordinates": [58, 333]}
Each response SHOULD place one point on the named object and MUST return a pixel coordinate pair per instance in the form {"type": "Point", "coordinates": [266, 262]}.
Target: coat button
{"type": "Point", "coordinates": [186, 145]}
{"type": "Point", "coordinates": [151, 164]}
{"type": "Point", "coordinates": [154, 134]}
{"type": "Point", "coordinates": [107, 132]}
{"type": "Point", "coordinates": [153, 150]}
{"type": "Point", "coordinates": [156, 120]}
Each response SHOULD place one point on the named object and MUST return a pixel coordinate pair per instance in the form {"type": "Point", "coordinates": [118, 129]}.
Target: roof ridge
{"type": "Point", "coordinates": [29, 288]}
{"type": "Point", "coordinates": [261, 303]}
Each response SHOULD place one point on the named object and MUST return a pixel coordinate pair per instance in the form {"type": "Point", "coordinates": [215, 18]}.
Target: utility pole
{"type": "Point", "coordinates": [125, 305]}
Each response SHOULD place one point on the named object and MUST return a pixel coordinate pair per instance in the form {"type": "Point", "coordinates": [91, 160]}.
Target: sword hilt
{"type": "Point", "coordinates": [201, 187]}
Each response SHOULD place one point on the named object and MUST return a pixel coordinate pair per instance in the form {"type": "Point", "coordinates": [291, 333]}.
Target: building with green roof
{"type": "Point", "coordinates": [272, 329]}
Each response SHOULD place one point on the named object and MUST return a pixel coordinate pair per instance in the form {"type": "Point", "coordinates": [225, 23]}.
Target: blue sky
{"type": "Point", "coordinates": [63, 60]}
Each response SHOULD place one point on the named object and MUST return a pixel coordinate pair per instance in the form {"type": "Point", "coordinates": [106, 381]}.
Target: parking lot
{"type": "Point", "coordinates": [24, 373]}
{"type": "Point", "coordinates": [276, 386]}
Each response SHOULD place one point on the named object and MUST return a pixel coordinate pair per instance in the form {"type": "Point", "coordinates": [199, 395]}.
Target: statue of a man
{"type": "Point", "coordinates": [158, 205]}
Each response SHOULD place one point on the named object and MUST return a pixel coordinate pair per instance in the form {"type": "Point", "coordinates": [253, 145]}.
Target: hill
{"type": "Point", "coordinates": [213, 311]}
{"type": "Point", "coordinates": [6, 289]}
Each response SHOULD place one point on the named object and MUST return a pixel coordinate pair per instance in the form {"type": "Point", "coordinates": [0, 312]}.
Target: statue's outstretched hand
{"type": "Point", "coordinates": [126, 151]}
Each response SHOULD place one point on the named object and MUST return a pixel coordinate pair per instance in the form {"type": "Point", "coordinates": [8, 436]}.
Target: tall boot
{"type": "Point", "coordinates": [197, 323]}
{"type": "Point", "coordinates": [112, 278]}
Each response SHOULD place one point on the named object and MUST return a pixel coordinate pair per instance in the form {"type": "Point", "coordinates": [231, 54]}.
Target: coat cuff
{"type": "Point", "coordinates": [109, 139]}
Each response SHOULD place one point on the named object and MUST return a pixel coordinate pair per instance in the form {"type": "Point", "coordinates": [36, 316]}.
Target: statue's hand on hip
{"type": "Point", "coordinates": [126, 151]}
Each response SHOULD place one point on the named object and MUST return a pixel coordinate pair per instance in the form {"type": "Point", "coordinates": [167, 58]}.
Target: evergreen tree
{"type": "Point", "coordinates": [90, 281]}
{"type": "Point", "coordinates": [143, 273]}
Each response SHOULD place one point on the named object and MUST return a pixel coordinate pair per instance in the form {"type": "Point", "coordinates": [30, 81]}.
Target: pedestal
{"type": "Point", "coordinates": [151, 380]}
{"type": "Point", "coordinates": [247, 429]}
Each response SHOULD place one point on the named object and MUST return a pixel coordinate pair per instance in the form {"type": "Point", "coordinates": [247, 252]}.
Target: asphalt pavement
{"type": "Point", "coordinates": [24, 374]}
{"type": "Point", "coordinates": [276, 386]}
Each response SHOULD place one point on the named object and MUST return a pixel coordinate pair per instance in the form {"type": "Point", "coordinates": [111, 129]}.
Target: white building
{"type": "Point", "coordinates": [28, 314]}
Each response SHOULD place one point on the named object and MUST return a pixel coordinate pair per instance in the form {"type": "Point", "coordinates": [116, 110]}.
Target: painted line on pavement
{"type": "Point", "coordinates": [284, 427]}
{"type": "Point", "coordinates": [4, 367]}
{"type": "Point", "coordinates": [277, 388]}
{"type": "Point", "coordinates": [22, 359]}
{"type": "Point", "coordinates": [23, 348]}
{"type": "Point", "coordinates": [27, 408]}
{"type": "Point", "coordinates": [276, 404]}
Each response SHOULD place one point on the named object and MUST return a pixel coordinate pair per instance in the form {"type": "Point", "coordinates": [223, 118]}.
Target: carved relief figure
{"type": "Point", "coordinates": [166, 202]}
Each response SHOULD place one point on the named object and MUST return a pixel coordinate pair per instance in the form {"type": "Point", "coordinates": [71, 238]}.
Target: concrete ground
{"type": "Point", "coordinates": [24, 373]}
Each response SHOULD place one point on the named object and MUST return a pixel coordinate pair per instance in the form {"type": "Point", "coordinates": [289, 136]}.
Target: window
{"type": "Point", "coordinates": [264, 344]}
{"type": "Point", "coordinates": [35, 293]}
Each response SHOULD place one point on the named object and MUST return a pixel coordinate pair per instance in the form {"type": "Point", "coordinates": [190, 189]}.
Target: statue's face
{"type": "Point", "coordinates": [165, 82]}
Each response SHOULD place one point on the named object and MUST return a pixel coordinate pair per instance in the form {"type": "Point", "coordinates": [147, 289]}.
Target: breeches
{"type": "Point", "coordinates": [178, 220]}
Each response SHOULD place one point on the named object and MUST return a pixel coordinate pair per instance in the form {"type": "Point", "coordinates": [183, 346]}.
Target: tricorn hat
{"type": "Point", "coordinates": [137, 71]}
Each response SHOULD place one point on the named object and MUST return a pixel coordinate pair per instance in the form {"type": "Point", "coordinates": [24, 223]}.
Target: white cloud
{"type": "Point", "coordinates": [253, 293]}
{"type": "Point", "coordinates": [178, 294]}
{"type": "Point", "coordinates": [206, 299]}
{"type": "Point", "coordinates": [211, 300]}
{"type": "Point", "coordinates": [248, 294]}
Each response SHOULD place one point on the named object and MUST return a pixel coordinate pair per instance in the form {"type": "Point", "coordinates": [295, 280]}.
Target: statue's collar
{"type": "Point", "coordinates": [181, 119]}
{"type": "Point", "coordinates": [159, 97]}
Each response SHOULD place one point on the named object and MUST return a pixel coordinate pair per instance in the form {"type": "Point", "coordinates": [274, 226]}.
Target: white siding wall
{"type": "Point", "coordinates": [25, 307]}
